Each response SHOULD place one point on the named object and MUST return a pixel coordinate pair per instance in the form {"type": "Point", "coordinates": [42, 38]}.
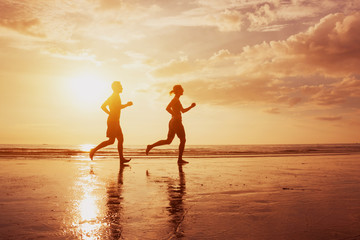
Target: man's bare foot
{"type": "Point", "coordinates": [182, 162]}
{"type": "Point", "coordinates": [124, 160]}
{"type": "Point", "coordinates": [92, 152]}
{"type": "Point", "coordinates": [148, 148]}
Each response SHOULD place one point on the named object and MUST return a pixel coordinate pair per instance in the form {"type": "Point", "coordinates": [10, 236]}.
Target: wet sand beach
{"type": "Point", "coordinates": [285, 197]}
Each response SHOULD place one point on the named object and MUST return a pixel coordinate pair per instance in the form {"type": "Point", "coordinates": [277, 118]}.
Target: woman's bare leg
{"type": "Point", "coordinates": [181, 134]}
{"type": "Point", "coordinates": [170, 137]}
{"type": "Point", "coordinates": [181, 151]}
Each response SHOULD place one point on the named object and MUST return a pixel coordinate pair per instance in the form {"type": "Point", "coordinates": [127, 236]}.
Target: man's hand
{"type": "Point", "coordinates": [129, 103]}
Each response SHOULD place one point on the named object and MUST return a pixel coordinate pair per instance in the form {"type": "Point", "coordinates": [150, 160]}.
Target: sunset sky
{"type": "Point", "coordinates": [261, 72]}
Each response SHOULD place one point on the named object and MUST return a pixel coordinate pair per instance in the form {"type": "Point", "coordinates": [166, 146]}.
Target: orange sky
{"type": "Point", "coordinates": [277, 71]}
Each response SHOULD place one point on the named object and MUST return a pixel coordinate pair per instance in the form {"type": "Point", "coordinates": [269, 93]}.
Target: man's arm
{"type": "Point", "coordinates": [128, 104]}
{"type": "Point", "coordinates": [104, 106]}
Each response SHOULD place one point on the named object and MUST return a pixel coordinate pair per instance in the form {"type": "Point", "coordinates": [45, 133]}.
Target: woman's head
{"type": "Point", "coordinates": [177, 90]}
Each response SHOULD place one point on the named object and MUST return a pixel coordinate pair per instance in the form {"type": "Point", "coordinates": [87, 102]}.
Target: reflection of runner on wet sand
{"type": "Point", "coordinates": [176, 190]}
{"type": "Point", "coordinates": [113, 122]}
{"type": "Point", "coordinates": [175, 125]}
{"type": "Point", "coordinates": [176, 209]}
{"type": "Point", "coordinates": [114, 206]}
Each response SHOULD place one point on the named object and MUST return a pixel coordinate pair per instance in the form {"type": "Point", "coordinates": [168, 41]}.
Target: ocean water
{"type": "Point", "coordinates": [79, 152]}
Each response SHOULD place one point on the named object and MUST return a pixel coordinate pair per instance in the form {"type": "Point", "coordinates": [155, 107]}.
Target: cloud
{"type": "Point", "coordinates": [56, 51]}
{"type": "Point", "coordinates": [232, 91]}
{"type": "Point", "coordinates": [76, 21]}
{"type": "Point", "coordinates": [27, 27]}
{"type": "Point", "coordinates": [331, 118]}
{"type": "Point", "coordinates": [261, 18]}
{"type": "Point", "coordinates": [174, 67]}
{"type": "Point", "coordinates": [221, 54]}
{"type": "Point", "coordinates": [227, 20]}
{"type": "Point", "coordinates": [267, 72]}
{"type": "Point", "coordinates": [137, 60]}
{"type": "Point", "coordinates": [110, 4]}
{"type": "Point", "coordinates": [17, 17]}
{"type": "Point", "coordinates": [333, 94]}
{"type": "Point", "coordinates": [184, 65]}
{"type": "Point", "coordinates": [332, 45]}
{"type": "Point", "coordinates": [265, 15]}
{"type": "Point", "coordinates": [330, 48]}
{"type": "Point", "coordinates": [272, 110]}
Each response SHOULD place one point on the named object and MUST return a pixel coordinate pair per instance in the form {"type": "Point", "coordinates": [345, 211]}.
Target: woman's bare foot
{"type": "Point", "coordinates": [92, 152]}
{"type": "Point", "coordinates": [148, 148]}
{"type": "Point", "coordinates": [124, 160]}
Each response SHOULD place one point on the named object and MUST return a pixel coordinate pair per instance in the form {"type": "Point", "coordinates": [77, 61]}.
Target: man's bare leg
{"type": "Point", "coordinates": [101, 145]}
{"type": "Point", "coordinates": [121, 153]}
{"type": "Point", "coordinates": [148, 148]}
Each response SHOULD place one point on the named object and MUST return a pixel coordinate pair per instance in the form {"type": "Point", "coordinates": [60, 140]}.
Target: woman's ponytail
{"type": "Point", "coordinates": [176, 89]}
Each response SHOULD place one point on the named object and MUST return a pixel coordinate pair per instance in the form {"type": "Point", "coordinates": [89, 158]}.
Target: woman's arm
{"type": "Point", "coordinates": [169, 108]}
{"type": "Point", "coordinates": [184, 110]}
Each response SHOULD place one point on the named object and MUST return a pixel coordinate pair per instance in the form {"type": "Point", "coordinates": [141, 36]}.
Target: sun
{"type": "Point", "coordinates": [88, 88]}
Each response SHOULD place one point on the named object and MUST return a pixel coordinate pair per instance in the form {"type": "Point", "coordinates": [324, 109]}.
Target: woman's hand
{"type": "Point", "coordinates": [193, 105]}
{"type": "Point", "coordinates": [129, 103]}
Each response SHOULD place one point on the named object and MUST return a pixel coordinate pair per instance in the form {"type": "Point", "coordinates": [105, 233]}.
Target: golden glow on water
{"type": "Point", "coordinates": [86, 147]}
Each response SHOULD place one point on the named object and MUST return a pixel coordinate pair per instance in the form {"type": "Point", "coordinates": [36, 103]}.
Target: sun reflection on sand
{"type": "Point", "coordinates": [88, 208]}
{"type": "Point", "coordinates": [88, 224]}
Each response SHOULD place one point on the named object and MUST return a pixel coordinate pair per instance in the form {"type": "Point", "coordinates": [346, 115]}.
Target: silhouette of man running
{"type": "Point", "coordinates": [113, 106]}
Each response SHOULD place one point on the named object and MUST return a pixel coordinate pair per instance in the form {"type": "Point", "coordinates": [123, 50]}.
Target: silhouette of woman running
{"type": "Point", "coordinates": [113, 122]}
{"type": "Point", "coordinates": [175, 125]}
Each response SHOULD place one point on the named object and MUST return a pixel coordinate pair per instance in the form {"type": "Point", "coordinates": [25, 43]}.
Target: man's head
{"type": "Point", "coordinates": [116, 87]}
